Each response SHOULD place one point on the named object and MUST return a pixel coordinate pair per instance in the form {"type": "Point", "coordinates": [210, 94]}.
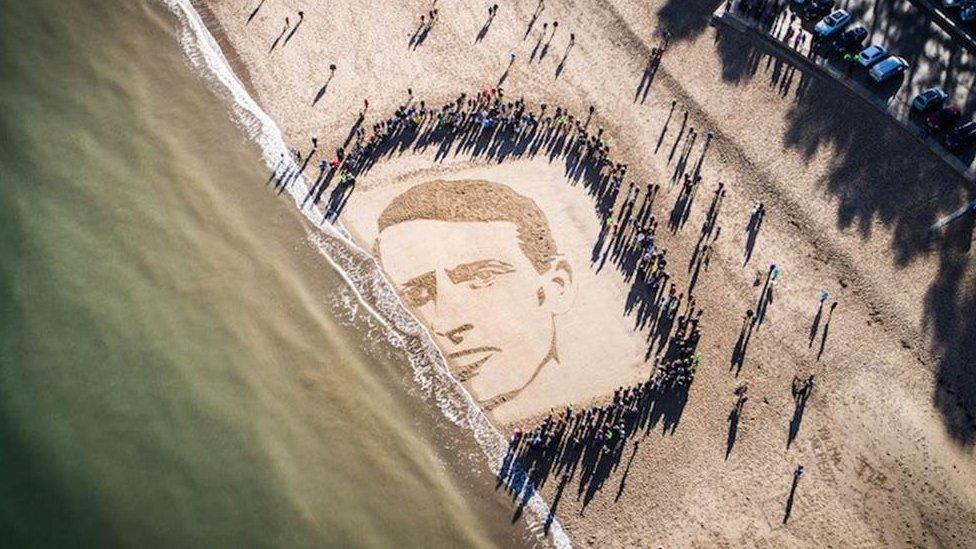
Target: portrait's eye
{"type": "Point", "coordinates": [417, 295]}
{"type": "Point", "coordinates": [421, 290]}
{"type": "Point", "coordinates": [486, 275]}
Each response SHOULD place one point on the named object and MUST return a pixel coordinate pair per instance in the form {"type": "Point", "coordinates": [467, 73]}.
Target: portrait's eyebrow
{"type": "Point", "coordinates": [467, 271]}
{"type": "Point", "coordinates": [427, 280]}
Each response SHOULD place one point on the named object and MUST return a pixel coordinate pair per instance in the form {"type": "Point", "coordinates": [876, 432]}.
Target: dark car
{"type": "Point", "coordinates": [961, 136]}
{"type": "Point", "coordinates": [817, 9]}
{"type": "Point", "coordinates": [929, 100]}
{"type": "Point", "coordinates": [944, 118]}
{"type": "Point", "coordinates": [850, 41]}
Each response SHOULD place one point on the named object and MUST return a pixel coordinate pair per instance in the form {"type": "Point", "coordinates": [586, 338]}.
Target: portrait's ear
{"type": "Point", "coordinates": [558, 291]}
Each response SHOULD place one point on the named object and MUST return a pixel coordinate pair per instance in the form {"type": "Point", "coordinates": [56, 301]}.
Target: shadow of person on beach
{"type": "Point", "coordinates": [664, 129]}
{"type": "Point", "coordinates": [801, 392]}
{"type": "Point", "coordinates": [826, 329]}
{"type": "Point", "coordinates": [909, 193]}
{"type": "Point", "coordinates": [483, 31]}
{"type": "Point", "coordinates": [254, 13]}
{"type": "Point", "coordinates": [562, 62]}
{"type": "Point", "coordinates": [535, 17]}
{"type": "Point", "coordinates": [734, 416]}
{"type": "Point", "coordinates": [792, 497]}
{"type": "Point", "coordinates": [644, 87]}
{"type": "Point", "coordinates": [325, 87]}
{"type": "Point", "coordinates": [301, 19]}
{"type": "Point", "coordinates": [742, 344]}
{"type": "Point", "coordinates": [280, 36]}
{"type": "Point", "coordinates": [752, 232]}
{"type": "Point", "coordinates": [590, 444]}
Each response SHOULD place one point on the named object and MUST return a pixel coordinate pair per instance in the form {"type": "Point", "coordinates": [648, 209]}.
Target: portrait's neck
{"type": "Point", "coordinates": [551, 357]}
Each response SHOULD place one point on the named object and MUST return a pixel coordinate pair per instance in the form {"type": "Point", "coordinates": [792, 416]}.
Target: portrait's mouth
{"type": "Point", "coordinates": [466, 363]}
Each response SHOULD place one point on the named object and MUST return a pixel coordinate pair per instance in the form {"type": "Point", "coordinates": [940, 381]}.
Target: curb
{"type": "Point", "coordinates": [721, 18]}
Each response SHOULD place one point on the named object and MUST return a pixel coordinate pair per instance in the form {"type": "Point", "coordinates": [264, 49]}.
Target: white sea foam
{"type": "Point", "coordinates": [357, 267]}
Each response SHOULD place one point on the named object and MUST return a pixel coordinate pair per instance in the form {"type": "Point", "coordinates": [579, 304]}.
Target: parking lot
{"type": "Point", "coordinates": [935, 58]}
{"type": "Point", "coordinates": [952, 14]}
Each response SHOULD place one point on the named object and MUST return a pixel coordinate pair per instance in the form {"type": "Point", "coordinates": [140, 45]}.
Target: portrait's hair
{"type": "Point", "coordinates": [470, 200]}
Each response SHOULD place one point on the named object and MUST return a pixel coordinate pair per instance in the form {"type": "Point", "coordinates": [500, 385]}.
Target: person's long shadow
{"type": "Point", "coordinates": [734, 417]}
{"type": "Point", "coordinates": [562, 62]}
{"type": "Point", "coordinates": [816, 324]}
{"type": "Point", "coordinates": [255, 12]}
{"type": "Point", "coordinates": [752, 235]}
{"type": "Point", "coordinates": [677, 141]}
{"type": "Point", "coordinates": [623, 479]}
{"type": "Point", "coordinates": [419, 35]}
{"type": "Point", "coordinates": [791, 498]}
{"type": "Point", "coordinates": [647, 79]}
{"type": "Point", "coordinates": [555, 502]}
{"type": "Point", "coordinates": [801, 405]}
{"type": "Point", "coordinates": [325, 87]}
{"type": "Point", "coordinates": [664, 130]}
{"type": "Point", "coordinates": [484, 29]}
{"type": "Point", "coordinates": [538, 45]}
{"type": "Point", "coordinates": [545, 49]}
{"type": "Point", "coordinates": [301, 18]}
{"type": "Point", "coordinates": [535, 17]}
{"type": "Point", "coordinates": [826, 329]}
{"type": "Point", "coordinates": [280, 36]}
{"type": "Point", "coordinates": [742, 346]}
{"type": "Point", "coordinates": [504, 76]}
{"type": "Point", "coordinates": [765, 298]}
{"type": "Point", "coordinates": [274, 172]}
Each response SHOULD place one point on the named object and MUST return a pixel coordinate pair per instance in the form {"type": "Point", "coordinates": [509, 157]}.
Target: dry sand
{"type": "Point", "coordinates": [887, 438]}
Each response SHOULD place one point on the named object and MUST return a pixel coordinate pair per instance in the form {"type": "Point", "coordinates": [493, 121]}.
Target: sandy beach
{"type": "Point", "coordinates": [517, 254]}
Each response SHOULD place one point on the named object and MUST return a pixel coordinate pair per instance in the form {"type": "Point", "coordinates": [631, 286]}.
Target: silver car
{"type": "Point", "coordinates": [833, 23]}
{"type": "Point", "coordinates": [888, 69]}
{"type": "Point", "coordinates": [871, 55]}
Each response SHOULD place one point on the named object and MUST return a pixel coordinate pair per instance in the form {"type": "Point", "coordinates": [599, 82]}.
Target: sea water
{"type": "Point", "coordinates": [179, 364]}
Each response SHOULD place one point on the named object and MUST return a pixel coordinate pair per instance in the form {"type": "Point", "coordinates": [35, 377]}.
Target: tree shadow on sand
{"type": "Point", "coordinates": [880, 175]}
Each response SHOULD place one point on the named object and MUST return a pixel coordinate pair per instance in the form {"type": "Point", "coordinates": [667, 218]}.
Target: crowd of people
{"type": "Point", "coordinates": [487, 123]}
{"type": "Point", "coordinates": [493, 125]}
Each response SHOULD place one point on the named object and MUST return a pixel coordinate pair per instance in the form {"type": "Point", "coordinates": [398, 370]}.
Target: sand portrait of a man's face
{"type": "Point", "coordinates": [478, 259]}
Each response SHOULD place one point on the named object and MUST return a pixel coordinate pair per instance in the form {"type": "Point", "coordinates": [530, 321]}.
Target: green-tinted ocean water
{"type": "Point", "coordinates": [178, 366]}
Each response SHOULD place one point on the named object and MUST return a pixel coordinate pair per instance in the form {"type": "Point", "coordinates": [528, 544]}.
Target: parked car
{"type": "Point", "coordinates": [968, 12]}
{"type": "Point", "coordinates": [929, 99]}
{"type": "Point", "coordinates": [850, 40]}
{"type": "Point", "coordinates": [961, 136]}
{"type": "Point", "coordinates": [954, 3]}
{"type": "Point", "coordinates": [815, 9]}
{"type": "Point", "coordinates": [832, 24]}
{"type": "Point", "coordinates": [943, 118]}
{"type": "Point", "coordinates": [871, 55]}
{"type": "Point", "coordinates": [888, 69]}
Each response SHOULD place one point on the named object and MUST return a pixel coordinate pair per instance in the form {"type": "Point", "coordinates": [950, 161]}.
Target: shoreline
{"type": "Point", "coordinates": [474, 420]}
{"type": "Point", "coordinates": [237, 63]}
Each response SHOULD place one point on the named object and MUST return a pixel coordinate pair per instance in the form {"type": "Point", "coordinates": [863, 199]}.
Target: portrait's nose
{"type": "Point", "coordinates": [456, 334]}
{"type": "Point", "coordinates": [449, 313]}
